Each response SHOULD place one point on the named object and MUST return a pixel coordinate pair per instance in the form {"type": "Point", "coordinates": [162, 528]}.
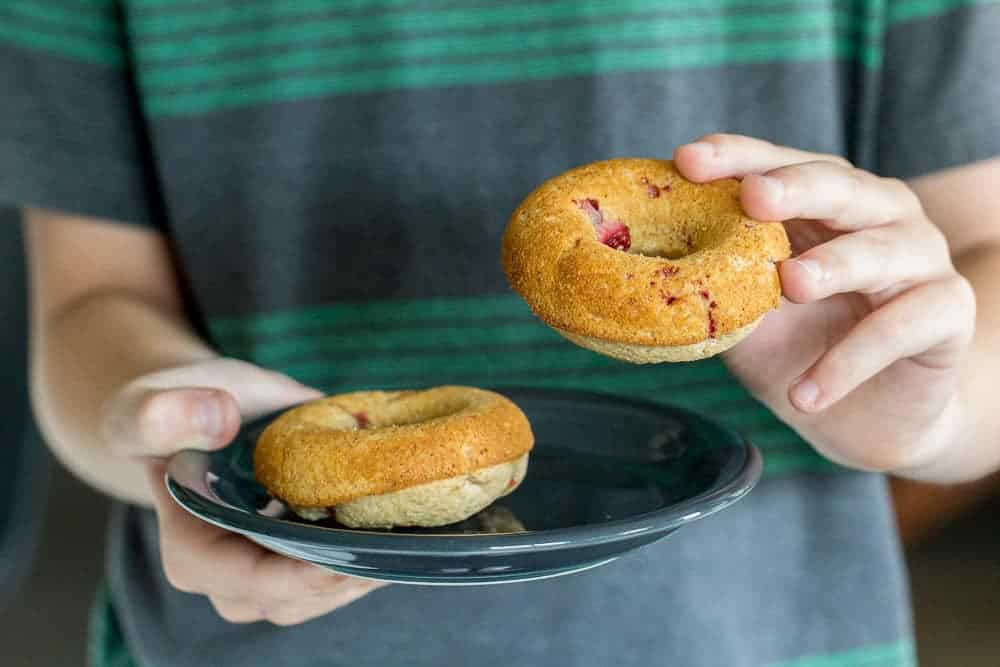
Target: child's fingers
{"type": "Point", "coordinates": [292, 611]}
{"type": "Point", "coordinates": [193, 407]}
{"type": "Point", "coordinates": [882, 260]}
{"type": "Point", "coordinates": [159, 422]}
{"type": "Point", "coordinates": [726, 155]}
{"type": "Point", "coordinates": [300, 611]}
{"type": "Point", "coordinates": [201, 558]}
{"type": "Point", "coordinates": [930, 323]}
{"type": "Point", "coordinates": [846, 199]}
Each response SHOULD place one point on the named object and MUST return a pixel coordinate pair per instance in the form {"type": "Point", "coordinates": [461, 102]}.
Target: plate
{"type": "Point", "coordinates": [607, 475]}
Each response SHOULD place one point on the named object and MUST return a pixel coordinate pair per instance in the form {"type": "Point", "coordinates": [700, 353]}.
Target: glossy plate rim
{"type": "Point", "coordinates": [669, 518]}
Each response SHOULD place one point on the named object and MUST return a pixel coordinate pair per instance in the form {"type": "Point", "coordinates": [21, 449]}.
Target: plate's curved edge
{"type": "Point", "coordinates": [483, 582]}
{"type": "Point", "coordinates": [667, 519]}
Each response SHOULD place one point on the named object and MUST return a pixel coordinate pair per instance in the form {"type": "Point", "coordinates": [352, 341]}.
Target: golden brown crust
{"type": "Point", "coordinates": [722, 280]}
{"type": "Point", "coordinates": [315, 455]}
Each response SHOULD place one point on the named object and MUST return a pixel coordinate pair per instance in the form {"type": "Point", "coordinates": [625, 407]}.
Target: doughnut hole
{"type": "Point", "coordinates": [398, 410]}
{"type": "Point", "coordinates": [417, 408]}
{"type": "Point", "coordinates": [669, 226]}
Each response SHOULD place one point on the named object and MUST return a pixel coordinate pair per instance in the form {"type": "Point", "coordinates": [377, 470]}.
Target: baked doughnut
{"type": "Point", "coordinates": [378, 459]}
{"type": "Point", "coordinates": [627, 258]}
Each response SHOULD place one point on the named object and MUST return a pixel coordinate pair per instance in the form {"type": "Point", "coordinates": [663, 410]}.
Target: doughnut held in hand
{"type": "Point", "coordinates": [406, 458]}
{"type": "Point", "coordinates": [627, 258]}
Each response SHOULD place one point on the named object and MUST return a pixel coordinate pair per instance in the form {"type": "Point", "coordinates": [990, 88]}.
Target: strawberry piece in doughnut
{"type": "Point", "coordinates": [708, 272]}
{"type": "Point", "coordinates": [611, 233]}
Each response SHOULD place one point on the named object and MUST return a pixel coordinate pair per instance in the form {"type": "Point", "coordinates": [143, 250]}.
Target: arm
{"type": "Point", "coordinates": [120, 380]}
{"type": "Point", "coordinates": [879, 358]}
{"type": "Point", "coordinates": [964, 203]}
{"type": "Point", "coordinates": [957, 200]}
{"type": "Point", "coordinates": [105, 309]}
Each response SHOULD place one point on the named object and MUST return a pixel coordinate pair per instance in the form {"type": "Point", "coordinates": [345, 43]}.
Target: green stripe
{"type": "Point", "coordinates": [147, 11]}
{"type": "Point", "coordinates": [410, 18]}
{"type": "Point", "coordinates": [919, 9]}
{"type": "Point", "coordinates": [490, 19]}
{"type": "Point", "coordinates": [541, 68]}
{"type": "Point", "coordinates": [805, 462]}
{"type": "Point", "coordinates": [76, 20]}
{"type": "Point", "coordinates": [534, 372]}
{"type": "Point", "coordinates": [510, 42]}
{"type": "Point", "coordinates": [471, 363]}
{"type": "Point", "coordinates": [400, 341]}
{"type": "Point", "coordinates": [452, 340]}
{"type": "Point", "coordinates": [633, 383]}
{"type": "Point", "coordinates": [161, 7]}
{"type": "Point", "coordinates": [105, 644]}
{"type": "Point", "coordinates": [98, 52]}
{"type": "Point", "coordinates": [897, 654]}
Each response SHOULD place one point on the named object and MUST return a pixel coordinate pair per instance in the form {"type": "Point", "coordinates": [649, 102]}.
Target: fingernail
{"type": "Point", "coordinates": [813, 268]}
{"type": "Point", "coordinates": [805, 394]}
{"type": "Point", "coordinates": [773, 186]}
{"type": "Point", "coordinates": [209, 418]}
{"type": "Point", "coordinates": [703, 148]}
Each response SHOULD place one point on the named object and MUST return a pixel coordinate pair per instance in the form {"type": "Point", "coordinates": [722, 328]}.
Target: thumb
{"type": "Point", "coordinates": [194, 407]}
{"type": "Point", "coordinates": [159, 422]}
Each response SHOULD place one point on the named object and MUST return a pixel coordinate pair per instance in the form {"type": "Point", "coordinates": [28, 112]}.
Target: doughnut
{"type": "Point", "coordinates": [376, 459]}
{"type": "Point", "coordinates": [627, 258]}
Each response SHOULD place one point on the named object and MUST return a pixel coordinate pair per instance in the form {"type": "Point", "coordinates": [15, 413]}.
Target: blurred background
{"type": "Point", "coordinates": [52, 534]}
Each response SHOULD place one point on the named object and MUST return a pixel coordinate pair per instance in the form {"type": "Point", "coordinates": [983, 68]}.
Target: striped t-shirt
{"type": "Point", "coordinates": [335, 175]}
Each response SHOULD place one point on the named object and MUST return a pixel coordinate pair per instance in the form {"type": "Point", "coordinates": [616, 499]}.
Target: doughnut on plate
{"type": "Point", "coordinates": [607, 475]}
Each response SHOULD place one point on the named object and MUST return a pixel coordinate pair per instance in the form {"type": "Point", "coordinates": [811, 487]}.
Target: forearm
{"type": "Point", "coordinates": [81, 354]}
{"type": "Point", "coordinates": [975, 451]}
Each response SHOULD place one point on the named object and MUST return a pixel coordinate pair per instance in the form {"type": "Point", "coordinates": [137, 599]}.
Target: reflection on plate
{"type": "Point", "coordinates": [607, 475]}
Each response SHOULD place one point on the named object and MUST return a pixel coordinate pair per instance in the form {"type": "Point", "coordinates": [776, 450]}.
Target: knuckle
{"type": "Point", "coordinates": [937, 243]}
{"type": "Point", "coordinates": [890, 328]}
{"type": "Point", "coordinates": [885, 459]}
{"type": "Point", "coordinates": [855, 181]}
{"type": "Point", "coordinates": [835, 262]}
{"type": "Point", "coordinates": [838, 160]}
{"type": "Point", "coordinates": [179, 576]}
{"type": "Point", "coordinates": [153, 411]}
{"type": "Point", "coordinates": [963, 297]}
{"type": "Point", "coordinates": [323, 583]}
{"type": "Point", "coordinates": [234, 612]}
{"type": "Point", "coordinates": [233, 365]}
{"type": "Point", "coordinates": [901, 192]}
{"type": "Point", "coordinates": [287, 617]}
{"type": "Point", "coordinates": [724, 139]}
{"type": "Point", "coordinates": [714, 138]}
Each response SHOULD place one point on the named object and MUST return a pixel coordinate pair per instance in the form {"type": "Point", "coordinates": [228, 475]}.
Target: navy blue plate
{"type": "Point", "coordinates": [607, 475]}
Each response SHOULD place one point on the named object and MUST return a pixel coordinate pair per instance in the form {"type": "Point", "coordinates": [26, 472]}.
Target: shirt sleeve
{"type": "Point", "coordinates": [941, 85]}
{"type": "Point", "coordinates": [71, 135]}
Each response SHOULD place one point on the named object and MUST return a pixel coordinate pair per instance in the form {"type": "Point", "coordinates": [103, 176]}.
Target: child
{"type": "Point", "coordinates": [261, 201]}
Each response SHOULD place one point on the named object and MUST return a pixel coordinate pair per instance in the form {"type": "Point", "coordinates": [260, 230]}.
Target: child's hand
{"type": "Point", "coordinates": [200, 406]}
{"type": "Point", "coordinates": [864, 362]}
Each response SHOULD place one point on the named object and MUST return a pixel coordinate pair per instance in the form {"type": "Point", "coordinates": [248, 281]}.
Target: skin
{"type": "Point", "coordinates": [114, 400]}
{"type": "Point", "coordinates": [878, 358]}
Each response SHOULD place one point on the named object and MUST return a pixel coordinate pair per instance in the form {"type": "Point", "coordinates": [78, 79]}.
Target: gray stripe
{"type": "Point", "coordinates": [790, 588]}
{"type": "Point", "coordinates": [938, 107]}
{"type": "Point", "coordinates": [416, 209]}
{"type": "Point", "coordinates": [77, 145]}
{"type": "Point", "coordinates": [417, 33]}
